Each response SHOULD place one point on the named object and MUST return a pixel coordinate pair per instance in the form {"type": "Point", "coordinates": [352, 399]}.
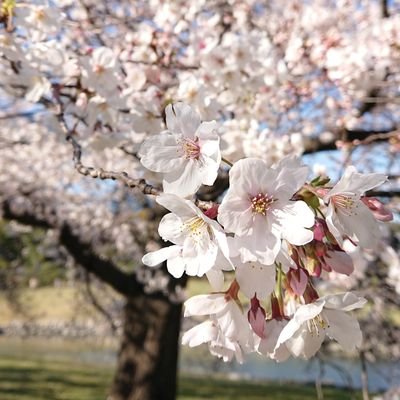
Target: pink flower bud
{"type": "Point", "coordinates": [212, 212]}
{"type": "Point", "coordinates": [298, 280]}
{"type": "Point", "coordinates": [319, 231]}
{"type": "Point", "coordinates": [317, 270]}
{"type": "Point", "coordinates": [380, 212]}
{"type": "Point", "coordinates": [256, 317]}
{"type": "Point", "coordinates": [320, 249]}
{"type": "Point", "coordinates": [310, 294]}
{"type": "Point", "coordinates": [276, 309]}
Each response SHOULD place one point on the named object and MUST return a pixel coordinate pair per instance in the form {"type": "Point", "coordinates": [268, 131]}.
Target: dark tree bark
{"type": "Point", "coordinates": [148, 356]}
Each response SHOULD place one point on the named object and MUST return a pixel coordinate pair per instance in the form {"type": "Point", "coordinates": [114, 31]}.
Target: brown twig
{"type": "Point", "coordinates": [100, 173]}
{"type": "Point", "coordinates": [123, 177]}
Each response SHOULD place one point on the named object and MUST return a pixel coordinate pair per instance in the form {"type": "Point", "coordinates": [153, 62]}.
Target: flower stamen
{"type": "Point", "coordinates": [344, 203]}
{"type": "Point", "coordinates": [261, 203]}
{"type": "Point", "coordinates": [316, 324]}
{"type": "Point", "coordinates": [196, 227]}
{"type": "Point", "coordinates": [191, 149]}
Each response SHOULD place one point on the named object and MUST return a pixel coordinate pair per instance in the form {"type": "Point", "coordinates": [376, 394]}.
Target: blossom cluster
{"type": "Point", "coordinates": [260, 66]}
{"type": "Point", "coordinates": [278, 77]}
{"type": "Point", "coordinates": [273, 235]}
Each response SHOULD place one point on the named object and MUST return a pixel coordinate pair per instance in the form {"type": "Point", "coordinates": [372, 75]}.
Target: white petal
{"type": "Point", "coordinates": [292, 173]}
{"type": "Point", "coordinates": [255, 279]}
{"type": "Point", "coordinates": [176, 266]}
{"type": "Point", "coordinates": [281, 353]}
{"type": "Point", "coordinates": [207, 131]}
{"type": "Point", "coordinates": [199, 334]}
{"type": "Point", "coordinates": [267, 346]}
{"type": "Point", "coordinates": [334, 225]}
{"type": "Point", "coordinates": [343, 301]}
{"type": "Point", "coordinates": [157, 257]}
{"type": "Point", "coordinates": [263, 244]}
{"type": "Point", "coordinates": [181, 118]}
{"type": "Point", "coordinates": [199, 257]}
{"type": "Point", "coordinates": [354, 182]}
{"type": "Point", "coordinates": [304, 344]}
{"type": "Point", "coordinates": [235, 214]}
{"type": "Point", "coordinates": [210, 148]}
{"type": "Point", "coordinates": [216, 279]}
{"type": "Point", "coordinates": [183, 182]}
{"type": "Point", "coordinates": [184, 209]}
{"type": "Point", "coordinates": [251, 176]}
{"type": "Point", "coordinates": [232, 322]}
{"type": "Point", "coordinates": [171, 228]}
{"type": "Point", "coordinates": [209, 170]}
{"type": "Point", "coordinates": [343, 328]}
{"type": "Point", "coordinates": [161, 153]}
{"type": "Point", "coordinates": [360, 225]}
{"type": "Point", "coordinates": [295, 217]}
{"type": "Point", "coordinates": [309, 311]}
{"type": "Point", "coordinates": [222, 242]}
{"type": "Point", "coordinates": [205, 304]}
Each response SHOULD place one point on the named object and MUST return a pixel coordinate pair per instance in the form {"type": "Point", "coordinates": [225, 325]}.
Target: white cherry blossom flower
{"type": "Point", "coordinates": [227, 331]}
{"type": "Point", "coordinates": [305, 332]}
{"type": "Point", "coordinates": [259, 210]}
{"type": "Point", "coordinates": [347, 215]}
{"type": "Point", "coordinates": [99, 71]}
{"type": "Point", "coordinates": [37, 84]}
{"type": "Point", "coordinates": [39, 20]}
{"type": "Point", "coordinates": [187, 153]}
{"type": "Point", "coordinates": [219, 345]}
{"type": "Point", "coordinates": [197, 239]}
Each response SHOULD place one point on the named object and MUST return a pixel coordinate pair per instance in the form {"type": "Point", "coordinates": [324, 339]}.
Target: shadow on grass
{"type": "Point", "coordinates": [36, 379]}
{"type": "Point", "coordinates": [217, 389]}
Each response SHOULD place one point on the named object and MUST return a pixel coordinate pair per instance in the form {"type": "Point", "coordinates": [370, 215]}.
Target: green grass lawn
{"type": "Point", "coordinates": [41, 371]}
{"type": "Point", "coordinates": [43, 379]}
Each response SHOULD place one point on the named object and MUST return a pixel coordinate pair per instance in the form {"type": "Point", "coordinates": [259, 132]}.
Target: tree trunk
{"type": "Point", "coordinates": [148, 356]}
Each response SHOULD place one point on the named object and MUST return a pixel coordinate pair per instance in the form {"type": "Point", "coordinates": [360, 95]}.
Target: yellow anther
{"type": "Point", "coordinates": [195, 226]}
{"type": "Point", "coordinates": [261, 203]}
{"type": "Point", "coordinates": [346, 204]}
{"type": "Point", "coordinates": [191, 149]}
{"type": "Point", "coordinates": [316, 324]}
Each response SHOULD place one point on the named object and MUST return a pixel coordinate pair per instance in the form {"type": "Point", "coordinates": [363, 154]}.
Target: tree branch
{"type": "Point", "coordinates": [353, 137]}
{"type": "Point", "coordinates": [385, 9]}
{"type": "Point", "coordinates": [81, 251]}
{"type": "Point", "coordinates": [384, 193]}
{"type": "Point", "coordinates": [123, 177]}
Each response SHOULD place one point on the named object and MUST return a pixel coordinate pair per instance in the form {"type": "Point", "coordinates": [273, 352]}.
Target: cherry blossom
{"type": "Point", "coordinates": [197, 239]}
{"type": "Point", "coordinates": [271, 82]}
{"type": "Point", "coordinates": [259, 205]}
{"type": "Point", "coordinates": [305, 332]}
{"type": "Point", "coordinates": [99, 71]}
{"type": "Point", "coordinates": [187, 154]}
{"type": "Point", "coordinates": [347, 215]}
{"type": "Point", "coordinates": [227, 331]}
